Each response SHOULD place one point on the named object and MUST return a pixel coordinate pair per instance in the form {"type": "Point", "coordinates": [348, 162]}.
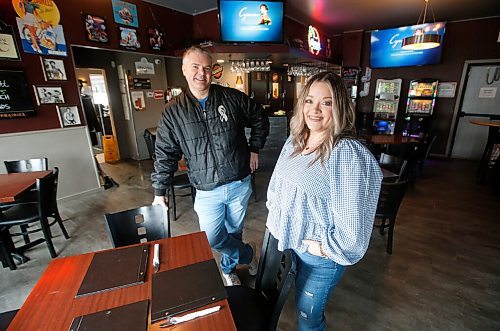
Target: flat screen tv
{"type": "Point", "coordinates": [386, 46]}
{"type": "Point", "coordinates": [251, 21]}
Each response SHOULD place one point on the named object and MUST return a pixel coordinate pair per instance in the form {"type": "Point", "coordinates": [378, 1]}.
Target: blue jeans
{"type": "Point", "coordinates": [221, 212]}
{"type": "Point", "coordinates": [316, 277]}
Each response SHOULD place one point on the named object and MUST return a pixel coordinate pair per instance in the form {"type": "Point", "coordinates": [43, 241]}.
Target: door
{"type": "Point", "coordinates": [481, 100]}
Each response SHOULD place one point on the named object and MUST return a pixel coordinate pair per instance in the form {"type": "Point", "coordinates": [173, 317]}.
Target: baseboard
{"type": "Point", "coordinates": [81, 194]}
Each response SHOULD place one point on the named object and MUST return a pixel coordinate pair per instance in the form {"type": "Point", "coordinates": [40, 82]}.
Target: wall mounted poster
{"type": "Point", "coordinates": [138, 101]}
{"type": "Point", "coordinates": [68, 116]}
{"type": "Point", "coordinates": [156, 39]}
{"type": "Point", "coordinates": [128, 38]}
{"type": "Point", "coordinates": [125, 13]}
{"type": "Point", "coordinates": [15, 100]}
{"type": "Point", "coordinates": [95, 28]}
{"type": "Point", "coordinates": [48, 95]}
{"type": "Point", "coordinates": [53, 69]}
{"type": "Point", "coordinates": [8, 47]}
{"type": "Point", "coordinates": [39, 28]}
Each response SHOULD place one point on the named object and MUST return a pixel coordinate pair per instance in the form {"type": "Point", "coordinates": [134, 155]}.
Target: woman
{"type": "Point", "coordinates": [323, 194]}
{"type": "Point", "coordinates": [264, 15]}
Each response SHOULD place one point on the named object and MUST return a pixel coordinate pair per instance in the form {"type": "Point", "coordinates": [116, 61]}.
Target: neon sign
{"type": "Point", "coordinates": [313, 40]}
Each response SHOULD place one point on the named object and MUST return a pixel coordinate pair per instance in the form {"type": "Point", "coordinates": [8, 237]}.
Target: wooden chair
{"type": "Point", "coordinates": [41, 164]}
{"type": "Point", "coordinates": [260, 308]}
{"type": "Point", "coordinates": [149, 138]}
{"type": "Point", "coordinates": [6, 317]}
{"type": "Point", "coordinates": [6, 250]}
{"type": "Point", "coordinates": [137, 225]}
{"type": "Point", "coordinates": [423, 149]}
{"type": "Point", "coordinates": [394, 164]}
{"type": "Point", "coordinates": [180, 181]}
{"type": "Point", "coordinates": [390, 198]}
{"type": "Point", "coordinates": [27, 213]}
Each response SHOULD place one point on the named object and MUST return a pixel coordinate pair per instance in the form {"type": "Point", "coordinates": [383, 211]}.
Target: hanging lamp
{"type": "Point", "coordinates": [424, 37]}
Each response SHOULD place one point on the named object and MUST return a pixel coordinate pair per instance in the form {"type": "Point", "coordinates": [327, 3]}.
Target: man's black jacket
{"type": "Point", "coordinates": [212, 140]}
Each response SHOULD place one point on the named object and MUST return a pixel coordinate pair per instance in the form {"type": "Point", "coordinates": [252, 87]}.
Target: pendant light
{"type": "Point", "coordinates": [425, 37]}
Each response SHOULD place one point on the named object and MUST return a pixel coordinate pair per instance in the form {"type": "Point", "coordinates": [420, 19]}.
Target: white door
{"type": "Point", "coordinates": [481, 100]}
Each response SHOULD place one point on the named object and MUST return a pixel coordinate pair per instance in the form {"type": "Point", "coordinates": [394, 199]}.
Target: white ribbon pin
{"type": "Point", "coordinates": [222, 113]}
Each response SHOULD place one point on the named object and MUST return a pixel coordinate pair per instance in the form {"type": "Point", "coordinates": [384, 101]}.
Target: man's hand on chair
{"type": "Point", "coordinates": [161, 200]}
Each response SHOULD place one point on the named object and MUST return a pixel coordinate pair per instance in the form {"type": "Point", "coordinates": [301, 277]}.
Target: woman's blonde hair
{"type": "Point", "coordinates": [343, 121]}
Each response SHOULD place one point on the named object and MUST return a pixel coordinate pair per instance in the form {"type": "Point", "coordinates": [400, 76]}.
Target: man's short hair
{"type": "Point", "coordinates": [197, 49]}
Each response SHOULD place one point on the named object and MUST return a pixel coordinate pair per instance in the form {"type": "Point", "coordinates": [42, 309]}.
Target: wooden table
{"type": "Point", "coordinates": [52, 305]}
{"type": "Point", "coordinates": [493, 138]}
{"type": "Point", "coordinates": [15, 184]}
{"type": "Point", "coordinates": [388, 175]}
{"type": "Point", "coordinates": [396, 139]}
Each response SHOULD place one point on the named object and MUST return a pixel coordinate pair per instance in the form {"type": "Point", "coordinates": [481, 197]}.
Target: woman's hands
{"type": "Point", "coordinates": [314, 247]}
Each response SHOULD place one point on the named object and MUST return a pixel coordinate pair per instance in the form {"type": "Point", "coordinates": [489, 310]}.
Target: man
{"type": "Point", "coordinates": [207, 124]}
{"type": "Point", "coordinates": [53, 72]}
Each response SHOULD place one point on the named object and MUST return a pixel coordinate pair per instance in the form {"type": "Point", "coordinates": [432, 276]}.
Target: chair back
{"type": "Point", "coordinates": [275, 277]}
{"type": "Point", "coordinates": [424, 148]}
{"type": "Point", "coordinates": [390, 198]}
{"type": "Point", "coordinates": [137, 225]}
{"type": "Point", "coordinates": [47, 193]}
{"type": "Point", "coordinates": [150, 143]}
{"type": "Point", "coordinates": [41, 164]}
{"type": "Point", "coordinates": [395, 164]}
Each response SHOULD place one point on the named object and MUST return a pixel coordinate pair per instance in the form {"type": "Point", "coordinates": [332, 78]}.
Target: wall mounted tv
{"type": "Point", "coordinates": [386, 46]}
{"type": "Point", "coordinates": [251, 21]}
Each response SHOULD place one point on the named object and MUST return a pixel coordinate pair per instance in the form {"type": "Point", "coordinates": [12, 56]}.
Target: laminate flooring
{"type": "Point", "coordinates": [444, 273]}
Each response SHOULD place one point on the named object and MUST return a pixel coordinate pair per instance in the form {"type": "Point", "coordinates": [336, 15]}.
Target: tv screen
{"type": "Point", "coordinates": [386, 46]}
{"type": "Point", "coordinates": [251, 21]}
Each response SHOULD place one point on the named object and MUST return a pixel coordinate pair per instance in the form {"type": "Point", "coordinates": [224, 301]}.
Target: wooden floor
{"type": "Point", "coordinates": [444, 273]}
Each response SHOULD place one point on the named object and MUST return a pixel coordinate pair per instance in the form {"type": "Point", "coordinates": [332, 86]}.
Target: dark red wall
{"type": "Point", "coordinates": [468, 40]}
{"type": "Point", "coordinates": [352, 43]}
{"type": "Point", "coordinates": [177, 27]}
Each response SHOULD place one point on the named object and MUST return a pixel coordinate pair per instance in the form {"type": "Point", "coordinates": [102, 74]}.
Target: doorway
{"type": "Point", "coordinates": [479, 100]}
{"type": "Point", "coordinates": [97, 108]}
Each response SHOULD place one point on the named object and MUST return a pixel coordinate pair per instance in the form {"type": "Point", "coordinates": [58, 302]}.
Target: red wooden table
{"type": "Point", "coordinates": [52, 305]}
{"type": "Point", "coordinates": [391, 139]}
{"type": "Point", "coordinates": [15, 184]}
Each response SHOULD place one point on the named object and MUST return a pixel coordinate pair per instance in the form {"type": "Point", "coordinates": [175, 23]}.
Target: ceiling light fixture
{"type": "Point", "coordinates": [423, 38]}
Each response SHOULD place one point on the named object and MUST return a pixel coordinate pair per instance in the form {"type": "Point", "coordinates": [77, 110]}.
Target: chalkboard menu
{"type": "Point", "coordinates": [15, 99]}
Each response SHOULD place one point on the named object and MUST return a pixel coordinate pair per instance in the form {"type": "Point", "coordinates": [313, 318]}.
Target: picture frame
{"type": "Point", "coordinates": [128, 38]}
{"type": "Point", "coordinates": [8, 45]}
{"type": "Point", "coordinates": [53, 69]}
{"type": "Point", "coordinates": [68, 116]}
{"type": "Point", "coordinates": [49, 95]}
{"type": "Point", "coordinates": [156, 38]}
{"type": "Point", "coordinates": [125, 13]}
{"type": "Point", "coordinates": [95, 28]}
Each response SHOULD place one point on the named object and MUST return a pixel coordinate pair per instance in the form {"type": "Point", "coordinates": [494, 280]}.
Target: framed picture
{"type": "Point", "coordinates": [68, 116]}
{"type": "Point", "coordinates": [95, 28]}
{"type": "Point", "coordinates": [48, 95]}
{"type": "Point", "coordinates": [53, 69]}
{"type": "Point", "coordinates": [8, 47]}
{"type": "Point", "coordinates": [125, 13]}
{"type": "Point", "coordinates": [41, 38]}
{"type": "Point", "coordinates": [156, 39]}
{"type": "Point", "coordinates": [128, 38]}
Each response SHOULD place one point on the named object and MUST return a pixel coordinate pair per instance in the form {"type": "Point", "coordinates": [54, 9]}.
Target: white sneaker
{"type": "Point", "coordinates": [254, 264]}
{"type": "Point", "coordinates": [231, 279]}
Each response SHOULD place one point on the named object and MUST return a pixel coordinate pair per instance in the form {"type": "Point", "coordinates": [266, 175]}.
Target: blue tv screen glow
{"type": "Point", "coordinates": [386, 48]}
{"type": "Point", "coordinates": [251, 21]}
